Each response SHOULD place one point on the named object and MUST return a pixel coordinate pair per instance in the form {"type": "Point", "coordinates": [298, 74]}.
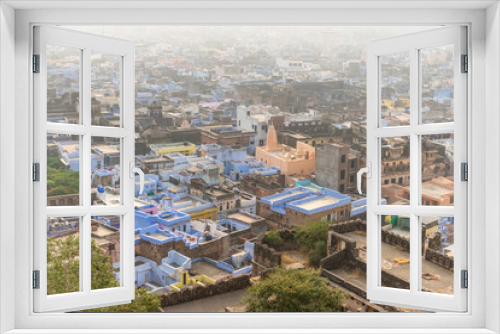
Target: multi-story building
{"type": "Point", "coordinates": [336, 167]}
{"type": "Point", "coordinates": [257, 119]}
{"type": "Point", "coordinates": [300, 206]}
{"type": "Point", "coordinates": [227, 135]}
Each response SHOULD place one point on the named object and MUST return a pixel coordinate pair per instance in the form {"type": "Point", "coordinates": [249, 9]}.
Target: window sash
{"type": "Point", "coordinates": [413, 298]}
{"type": "Point", "coordinates": [86, 297]}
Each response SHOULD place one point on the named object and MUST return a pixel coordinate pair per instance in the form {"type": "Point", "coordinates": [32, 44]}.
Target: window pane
{"type": "Point", "coordinates": [105, 160]}
{"type": "Point", "coordinates": [438, 254]}
{"type": "Point", "coordinates": [395, 252]}
{"type": "Point", "coordinates": [395, 89]}
{"type": "Point", "coordinates": [63, 170]}
{"type": "Point", "coordinates": [437, 84]}
{"type": "Point", "coordinates": [106, 85]}
{"type": "Point", "coordinates": [395, 171]}
{"type": "Point", "coordinates": [63, 84]}
{"type": "Point", "coordinates": [105, 252]}
{"type": "Point", "coordinates": [437, 170]}
{"type": "Point", "coordinates": [63, 255]}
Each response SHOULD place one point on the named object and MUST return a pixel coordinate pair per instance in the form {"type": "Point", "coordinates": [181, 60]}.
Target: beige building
{"type": "Point", "coordinates": [298, 161]}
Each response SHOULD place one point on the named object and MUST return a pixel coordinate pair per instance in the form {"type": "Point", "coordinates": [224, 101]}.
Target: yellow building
{"type": "Point", "coordinates": [206, 214]}
{"type": "Point", "coordinates": [186, 279]}
{"type": "Point", "coordinates": [388, 103]}
{"type": "Point", "coordinates": [184, 148]}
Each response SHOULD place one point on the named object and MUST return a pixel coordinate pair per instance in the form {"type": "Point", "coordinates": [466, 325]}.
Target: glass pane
{"type": "Point", "coordinates": [105, 168]}
{"type": "Point", "coordinates": [106, 81]}
{"type": "Point", "coordinates": [437, 84]}
{"type": "Point", "coordinates": [105, 252]}
{"type": "Point", "coordinates": [63, 255]}
{"type": "Point", "coordinates": [438, 254]}
{"type": "Point", "coordinates": [63, 84]}
{"type": "Point", "coordinates": [395, 171]}
{"type": "Point", "coordinates": [437, 170]}
{"type": "Point", "coordinates": [395, 89]}
{"type": "Point", "coordinates": [63, 170]}
{"type": "Point", "coordinates": [395, 252]}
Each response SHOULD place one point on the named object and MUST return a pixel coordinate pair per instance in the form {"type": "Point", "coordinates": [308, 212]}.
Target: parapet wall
{"type": "Point", "coordinates": [204, 290]}
{"type": "Point", "coordinates": [217, 249]}
{"type": "Point", "coordinates": [436, 257]}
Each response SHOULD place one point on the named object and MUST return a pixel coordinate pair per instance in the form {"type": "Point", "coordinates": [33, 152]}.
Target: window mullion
{"type": "Point", "coordinates": [414, 170]}
{"type": "Point", "coordinates": [86, 156]}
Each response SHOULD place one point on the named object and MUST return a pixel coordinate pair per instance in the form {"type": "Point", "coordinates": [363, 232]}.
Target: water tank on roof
{"type": "Point", "coordinates": [100, 189]}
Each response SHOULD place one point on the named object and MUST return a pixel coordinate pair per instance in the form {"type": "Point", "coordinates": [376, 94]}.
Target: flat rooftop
{"type": "Point", "coordinates": [243, 218]}
{"type": "Point", "coordinates": [181, 204]}
{"type": "Point", "coordinates": [159, 236]}
{"type": "Point", "coordinates": [317, 203]}
{"type": "Point", "coordinates": [71, 147]}
{"type": "Point", "coordinates": [435, 190]}
{"type": "Point", "coordinates": [103, 230]}
{"type": "Point", "coordinates": [284, 196]}
{"type": "Point", "coordinates": [208, 269]}
{"type": "Point", "coordinates": [107, 149]}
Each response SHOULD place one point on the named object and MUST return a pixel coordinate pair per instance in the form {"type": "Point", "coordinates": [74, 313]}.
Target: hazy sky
{"type": "Point", "coordinates": [248, 35]}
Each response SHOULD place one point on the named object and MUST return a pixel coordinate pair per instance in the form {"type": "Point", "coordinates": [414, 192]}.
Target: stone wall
{"type": "Point", "coordinates": [204, 290]}
{"type": "Point", "coordinates": [266, 258]}
{"type": "Point", "coordinates": [334, 260]}
{"type": "Point", "coordinates": [350, 286]}
{"type": "Point", "coordinates": [442, 260]}
{"type": "Point", "coordinates": [235, 235]}
{"type": "Point", "coordinates": [349, 226]}
{"type": "Point", "coordinates": [63, 200]}
{"type": "Point", "coordinates": [392, 238]}
{"type": "Point", "coordinates": [217, 249]}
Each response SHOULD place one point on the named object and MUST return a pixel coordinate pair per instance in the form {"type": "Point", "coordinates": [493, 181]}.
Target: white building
{"type": "Point", "coordinates": [256, 118]}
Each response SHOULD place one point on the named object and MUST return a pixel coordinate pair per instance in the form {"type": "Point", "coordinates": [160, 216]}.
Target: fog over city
{"type": "Point", "coordinates": [250, 139]}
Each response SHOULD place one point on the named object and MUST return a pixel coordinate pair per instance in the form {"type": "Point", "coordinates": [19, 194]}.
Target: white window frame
{"type": "Point", "coordinates": [484, 102]}
{"type": "Point", "coordinates": [86, 43]}
{"type": "Point", "coordinates": [413, 43]}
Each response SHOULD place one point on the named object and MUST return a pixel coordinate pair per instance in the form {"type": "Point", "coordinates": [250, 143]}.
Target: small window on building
{"type": "Point", "coordinates": [343, 158]}
{"type": "Point", "coordinates": [342, 174]}
{"type": "Point", "coordinates": [393, 181]}
{"type": "Point", "coordinates": [341, 188]}
{"type": "Point", "coordinates": [400, 180]}
{"type": "Point", "coordinates": [351, 178]}
{"type": "Point", "coordinates": [353, 164]}
{"type": "Point", "coordinates": [451, 200]}
{"type": "Point", "coordinates": [261, 142]}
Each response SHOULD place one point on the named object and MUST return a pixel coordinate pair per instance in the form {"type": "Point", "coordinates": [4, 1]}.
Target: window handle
{"type": "Point", "coordinates": [368, 171]}
{"type": "Point", "coordinates": [139, 171]}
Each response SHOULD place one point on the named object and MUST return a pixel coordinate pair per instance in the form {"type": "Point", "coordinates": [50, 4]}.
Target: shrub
{"type": "Point", "coordinates": [301, 290]}
{"type": "Point", "coordinates": [273, 239]}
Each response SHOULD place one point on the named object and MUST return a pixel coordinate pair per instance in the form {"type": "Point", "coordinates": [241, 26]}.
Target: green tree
{"type": "Point", "coordinates": [63, 271]}
{"type": "Point", "coordinates": [312, 239]}
{"type": "Point", "coordinates": [273, 239]}
{"type": "Point", "coordinates": [61, 181]}
{"type": "Point", "coordinates": [301, 290]}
